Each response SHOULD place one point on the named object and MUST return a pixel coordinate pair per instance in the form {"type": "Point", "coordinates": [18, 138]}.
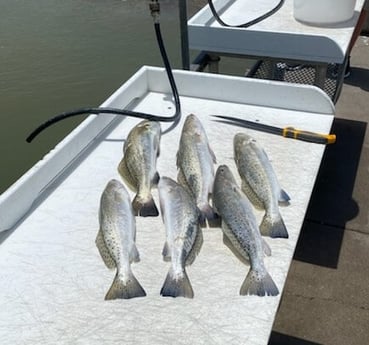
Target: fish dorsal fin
{"type": "Point", "coordinates": [195, 250]}
{"type": "Point", "coordinates": [181, 178]}
{"type": "Point", "coordinates": [156, 179]}
{"type": "Point", "coordinates": [126, 175]}
{"type": "Point", "coordinates": [266, 248]}
{"type": "Point", "coordinates": [212, 154]}
{"type": "Point", "coordinates": [228, 243]}
{"type": "Point", "coordinates": [178, 159]}
{"type": "Point", "coordinates": [134, 255]}
{"type": "Point", "coordinates": [166, 252]}
{"type": "Point", "coordinates": [283, 198]}
{"type": "Point", "coordinates": [104, 252]}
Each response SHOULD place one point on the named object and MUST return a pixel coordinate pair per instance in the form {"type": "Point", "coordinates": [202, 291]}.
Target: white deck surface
{"type": "Point", "coordinates": [279, 36]}
{"type": "Point", "coordinates": [53, 281]}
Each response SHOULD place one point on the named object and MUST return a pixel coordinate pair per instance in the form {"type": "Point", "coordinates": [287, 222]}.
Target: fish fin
{"type": "Point", "coordinates": [252, 196]}
{"type": "Point", "coordinates": [212, 154]}
{"type": "Point", "coordinates": [208, 213]}
{"type": "Point", "coordinates": [103, 250]}
{"type": "Point", "coordinates": [215, 221]}
{"type": "Point", "coordinates": [176, 286]}
{"type": "Point", "coordinates": [144, 208]}
{"type": "Point", "coordinates": [181, 179]}
{"type": "Point", "coordinates": [283, 198]}
{"type": "Point", "coordinates": [202, 220]}
{"type": "Point", "coordinates": [157, 148]}
{"type": "Point", "coordinates": [134, 255]}
{"type": "Point", "coordinates": [227, 242]}
{"type": "Point", "coordinates": [266, 248]}
{"type": "Point", "coordinates": [196, 247]}
{"type": "Point", "coordinates": [273, 227]}
{"type": "Point", "coordinates": [125, 288]}
{"type": "Point", "coordinates": [178, 159]}
{"type": "Point", "coordinates": [166, 252]}
{"type": "Point", "coordinates": [260, 285]}
{"type": "Point", "coordinates": [126, 175]}
{"type": "Point", "coordinates": [156, 179]}
{"type": "Point", "coordinates": [191, 180]}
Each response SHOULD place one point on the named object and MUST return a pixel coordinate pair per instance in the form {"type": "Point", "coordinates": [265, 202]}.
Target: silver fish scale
{"type": "Point", "coordinates": [181, 216]}
{"type": "Point", "coordinates": [116, 240]}
{"type": "Point", "coordinates": [240, 225]}
{"type": "Point", "coordinates": [191, 161]}
{"type": "Point", "coordinates": [115, 212]}
{"type": "Point", "coordinates": [195, 162]}
{"type": "Point", "coordinates": [236, 212]}
{"type": "Point", "coordinates": [174, 200]}
{"type": "Point", "coordinates": [258, 182]}
{"type": "Point", "coordinates": [183, 236]}
{"type": "Point", "coordinates": [141, 154]}
{"type": "Point", "coordinates": [138, 165]}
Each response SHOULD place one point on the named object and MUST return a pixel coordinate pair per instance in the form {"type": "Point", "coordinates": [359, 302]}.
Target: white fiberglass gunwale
{"type": "Point", "coordinates": [278, 36]}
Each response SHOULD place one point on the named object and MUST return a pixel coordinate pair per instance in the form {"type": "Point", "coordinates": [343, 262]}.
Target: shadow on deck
{"type": "Point", "coordinates": [331, 204]}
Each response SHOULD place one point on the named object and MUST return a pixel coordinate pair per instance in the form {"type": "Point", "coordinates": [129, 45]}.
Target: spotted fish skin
{"type": "Point", "coordinates": [116, 240]}
{"type": "Point", "coordinates": [195, 163]}
{"type": "Point", "coordinates": [183, 236]}
{"type": "Point", "coordinates": [138, 165]}
{"type": "Point", "coordinates": [260, 183]}
{"type": "Point", "coordinates": [240, 227]}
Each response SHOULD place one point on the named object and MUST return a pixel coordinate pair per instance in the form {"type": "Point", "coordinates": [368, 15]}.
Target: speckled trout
{"type": "Point", "coordinates": [183, 236]}
{"type": "Point", "coordinates": [116, 240]}
{"type": "Point", "coordinates": [195, 162]}
{"type": "Point", "coordinates": [260, 184]}
{"type": "Point", "coordinates": [138, 165]}
{"type": "Point", "coordinates": [240, 227]}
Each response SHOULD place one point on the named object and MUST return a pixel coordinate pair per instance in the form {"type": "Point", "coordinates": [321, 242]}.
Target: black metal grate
{"type": "Point", "coordinates": [296, 73]}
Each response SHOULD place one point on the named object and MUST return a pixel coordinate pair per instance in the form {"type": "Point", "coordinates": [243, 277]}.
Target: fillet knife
{"type": "Point", "coordinates": [287, 132]}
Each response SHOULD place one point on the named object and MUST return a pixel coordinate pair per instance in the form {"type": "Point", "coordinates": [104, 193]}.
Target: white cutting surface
{"type": "Point", "coordinates": [53, 281]}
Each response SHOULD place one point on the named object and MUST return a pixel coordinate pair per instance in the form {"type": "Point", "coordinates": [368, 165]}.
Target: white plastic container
{"type": "Point", "coordinates": [323, 12]}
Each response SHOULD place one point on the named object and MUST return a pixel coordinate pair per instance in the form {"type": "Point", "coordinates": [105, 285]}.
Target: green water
{"type": "Point", "coordinates": [59, 55]}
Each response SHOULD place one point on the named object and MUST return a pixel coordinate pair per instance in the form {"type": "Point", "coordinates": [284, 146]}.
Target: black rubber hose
{"type": "Point", "coordinates": [105, 110]}
{"type": "Point", "coordinates": [245, 25]}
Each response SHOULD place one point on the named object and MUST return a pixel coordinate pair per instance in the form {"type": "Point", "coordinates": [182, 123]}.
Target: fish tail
{"type": "Point", "coordinates": [166, 252]}
{"type": "Point", "coordinates": [125, 288]}
{"type": "Point", "coordinates": [144, 207]}
{"type": "Point", "coordinates": [283, 198]}
{"type": "Point", "coordinates": [156, 179]}
{"type": "Point", "coordinates": [215, 221]}
{"type": "Point", "coordinates": [273, 226]}
{"type": "Point", "coordinates": [175, 286]}
{"type": "Point", "coordinates": [259, 284]}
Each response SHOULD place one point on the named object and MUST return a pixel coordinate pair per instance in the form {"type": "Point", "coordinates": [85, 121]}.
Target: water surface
{"type": "Point", "coordinates": [58, 55]}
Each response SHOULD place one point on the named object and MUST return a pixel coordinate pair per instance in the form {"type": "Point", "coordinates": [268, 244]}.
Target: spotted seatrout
{"type": "Point", "coordinates": [183, 236]}
{"type": "Point", "coordinates": [195, 162]}
{"type": "Point", "coordinates": [260, 184]}
{"type": "Point", "coordinates": [240, 227]}
{"type": "Point", "coordinates": [116, 240]}
{"type": "Point", "coordinates": [138, 165]}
